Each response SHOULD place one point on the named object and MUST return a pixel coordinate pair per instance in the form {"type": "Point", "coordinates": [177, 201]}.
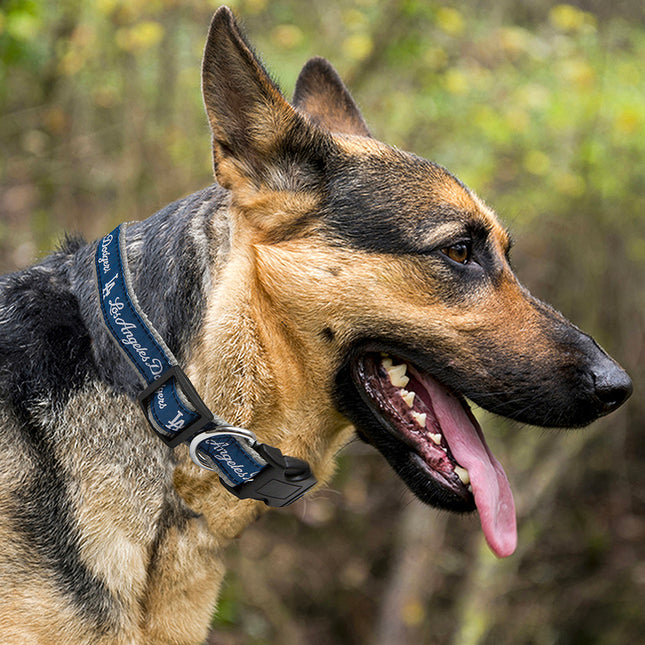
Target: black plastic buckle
{"type": "Point", "coordinates": [205, 416]}
{"type": "Point", "coordinates": [283, 480]}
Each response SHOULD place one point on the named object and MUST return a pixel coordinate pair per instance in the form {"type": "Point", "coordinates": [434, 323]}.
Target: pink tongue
{"type": "Point", "coordinates": [491, 489]}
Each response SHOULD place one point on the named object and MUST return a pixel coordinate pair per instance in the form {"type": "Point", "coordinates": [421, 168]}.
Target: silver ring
{"type": "Point", "coordinates": [241, 433]}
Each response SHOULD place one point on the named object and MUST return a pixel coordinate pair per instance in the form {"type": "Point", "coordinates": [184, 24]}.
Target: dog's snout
{"type": "Point", "coordinates": [579, 384]}
{"type": "Point", "coordinates": [612, 384]}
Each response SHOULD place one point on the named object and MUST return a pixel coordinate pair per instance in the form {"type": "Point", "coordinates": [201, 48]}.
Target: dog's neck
{"type": "Point", "coordinates": [201, 289]}
{"type": "Point", "coordinates": [248, 368]}
{"type": "Point", "coordinates": [172, 256]}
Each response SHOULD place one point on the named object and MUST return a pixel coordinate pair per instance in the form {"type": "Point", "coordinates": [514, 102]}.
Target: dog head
{"type": "Point", "coordinates": [392, 285]}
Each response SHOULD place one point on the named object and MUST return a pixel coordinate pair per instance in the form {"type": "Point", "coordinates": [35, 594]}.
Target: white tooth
{"type": "Point", "coordinates": [420, 418]}
{"type": "Point", "coordinates": [397, 375]}
{"type": "Point", "coordinates": [386, 361]}
{"type": "Point", "coordinates": [469, 488]}
{"type": "Point", "coordinates": [462, 473]}
{"type": "Point", "coordinates": [435, 437]}
{"type": "Point", "coordinates": [408, 397]}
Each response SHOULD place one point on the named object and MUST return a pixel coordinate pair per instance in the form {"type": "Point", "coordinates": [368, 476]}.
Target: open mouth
{"type": "Point", "coordinates": [429, 435]}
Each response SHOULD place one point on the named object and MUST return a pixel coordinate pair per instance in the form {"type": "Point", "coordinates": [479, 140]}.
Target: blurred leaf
{"type": "Point", "coordinates": [287, 36]}
{"type": "Point", "coordinates": [141, 36]}
{"type": "Point", "coordinates": [22, 25]}
{"type": "Point", "coordinates": [358, 46]}
{"type": "Point", "coordinates": [569, 18]}
{"type": "Point", "coordinates": [450, 21]}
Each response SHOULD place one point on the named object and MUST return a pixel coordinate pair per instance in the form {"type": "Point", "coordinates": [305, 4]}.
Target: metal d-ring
{"type": "Point", "coordinates": [241, 433]}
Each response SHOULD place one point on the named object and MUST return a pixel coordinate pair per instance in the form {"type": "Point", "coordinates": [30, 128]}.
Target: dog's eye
{"type": "Point", "coordinates": [459, 252]}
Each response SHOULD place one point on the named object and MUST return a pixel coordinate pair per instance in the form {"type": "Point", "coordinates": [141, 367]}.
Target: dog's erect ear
{"type": "Point", "coordinates": [254, 128]}
{"type": "Point", "coordinates": [322, 95]}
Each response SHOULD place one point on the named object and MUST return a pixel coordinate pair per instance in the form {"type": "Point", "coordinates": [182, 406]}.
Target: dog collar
{"type": "Point", "coordinates": [171, 405]}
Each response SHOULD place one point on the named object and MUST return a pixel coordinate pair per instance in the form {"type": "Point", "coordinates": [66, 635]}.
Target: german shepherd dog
{"type": "Point", "coordinates": [327, 282]}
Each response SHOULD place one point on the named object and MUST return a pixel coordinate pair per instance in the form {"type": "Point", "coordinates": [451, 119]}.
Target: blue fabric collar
{"type": "Point", "coordinates": [171, 404]}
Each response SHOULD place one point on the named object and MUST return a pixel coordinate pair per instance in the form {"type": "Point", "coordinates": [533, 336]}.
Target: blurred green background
{"type": "Point", "coordinates": [539, 107]}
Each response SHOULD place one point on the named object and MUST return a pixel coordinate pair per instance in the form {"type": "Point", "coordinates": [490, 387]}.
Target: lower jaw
{"type": "Point", "coordinates": [426, 484]}
{"type": "Point", "coordinates": [458, 501]}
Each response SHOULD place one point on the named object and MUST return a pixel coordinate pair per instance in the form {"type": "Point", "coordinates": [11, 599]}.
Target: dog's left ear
{"type": "Point", "coordinates": [321, 94]}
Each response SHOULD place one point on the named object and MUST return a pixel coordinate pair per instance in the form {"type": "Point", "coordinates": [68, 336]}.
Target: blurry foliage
{"type": "Point", "coordinates": [538, 106]}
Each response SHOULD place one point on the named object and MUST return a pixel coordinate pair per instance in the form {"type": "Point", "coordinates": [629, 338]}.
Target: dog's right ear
{"type": "Point", "coordinates": [254, 128]}
{"type": "Point", "coordinates": [321, 94]}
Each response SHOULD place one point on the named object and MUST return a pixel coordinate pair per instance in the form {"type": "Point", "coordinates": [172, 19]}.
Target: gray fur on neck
{"type": "Point", "coordinates": [170, 255]}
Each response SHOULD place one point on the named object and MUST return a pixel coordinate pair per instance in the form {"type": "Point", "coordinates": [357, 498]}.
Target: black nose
{"type": "Point", "coordinates": [612, 385]}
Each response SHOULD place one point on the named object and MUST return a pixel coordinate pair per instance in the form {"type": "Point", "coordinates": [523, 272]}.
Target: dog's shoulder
{"type": "Point", "coordinates": [52, 340]}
